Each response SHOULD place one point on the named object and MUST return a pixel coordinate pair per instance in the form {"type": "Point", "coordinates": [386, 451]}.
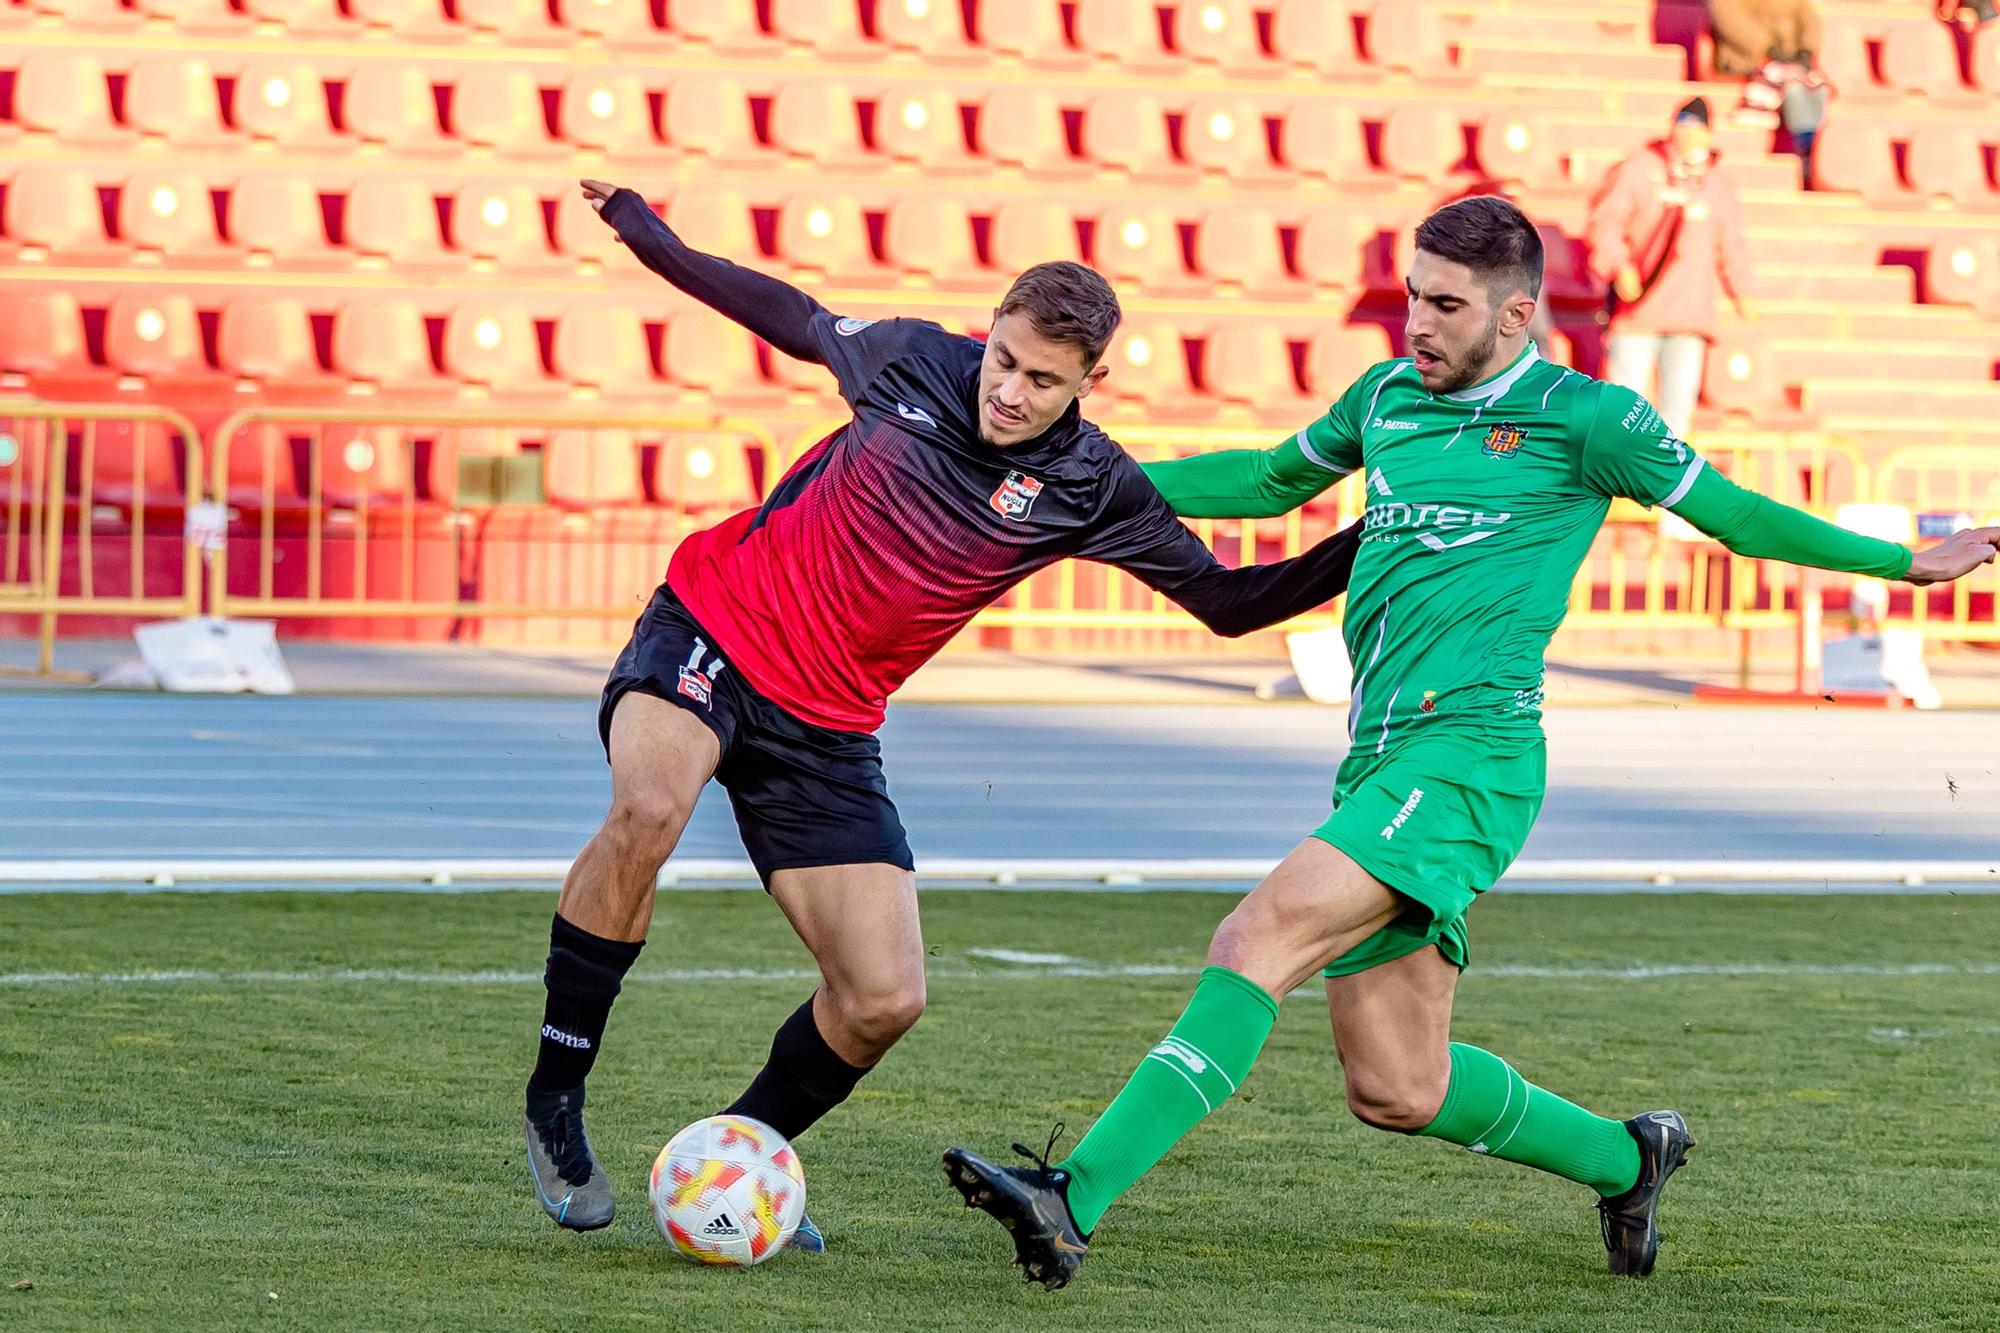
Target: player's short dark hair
{"type": "Point", "coordinates": [1490, 236]}
{"type": "Point", "coordinates": [1066, 303]}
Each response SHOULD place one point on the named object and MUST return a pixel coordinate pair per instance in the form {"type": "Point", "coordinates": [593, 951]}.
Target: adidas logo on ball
{"type": "Point", "coordinates": [721, 1225]}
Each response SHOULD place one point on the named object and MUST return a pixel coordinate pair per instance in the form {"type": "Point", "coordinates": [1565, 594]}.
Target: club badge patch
{"type": "Point", "coordinates": [1505, 440]}
{"type": "Point", "coordinates": [1016, 496]}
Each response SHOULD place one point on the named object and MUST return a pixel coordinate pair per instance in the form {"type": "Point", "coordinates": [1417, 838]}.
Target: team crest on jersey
{"type": "Point", "coordinates": [1016, 496]}
{"type": "Point", "coordinates": [697, 682]}
{"type": "Point", "coordinates": [1505, 440]}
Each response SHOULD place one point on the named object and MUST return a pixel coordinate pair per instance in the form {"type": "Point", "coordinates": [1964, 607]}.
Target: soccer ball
{"type": "Point", "coordinates": [728, 1190]}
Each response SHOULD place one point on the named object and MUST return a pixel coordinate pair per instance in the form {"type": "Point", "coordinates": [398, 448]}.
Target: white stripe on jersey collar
{"type": "Point", "coordinates": [1496, 388]}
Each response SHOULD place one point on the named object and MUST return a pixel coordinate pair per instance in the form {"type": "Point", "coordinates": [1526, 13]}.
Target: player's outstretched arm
{"type": "Point", "coordinates": [775, 311]}
{"type": "Point", "coordinates": [1241, 483]}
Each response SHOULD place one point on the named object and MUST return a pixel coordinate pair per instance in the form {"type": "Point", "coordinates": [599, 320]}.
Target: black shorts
{"type": "Point", "coordinates": [804, 795]}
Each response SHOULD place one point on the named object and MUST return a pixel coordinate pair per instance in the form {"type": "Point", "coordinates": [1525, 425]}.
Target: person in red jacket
{"type": "Point", "coordinates": [1666, 232]}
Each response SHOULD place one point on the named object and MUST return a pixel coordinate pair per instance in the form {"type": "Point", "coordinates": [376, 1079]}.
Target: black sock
{"type": "Point", "coordinates": [803, 1080]}
{"type": "Point", "coordinates": [583, 977]}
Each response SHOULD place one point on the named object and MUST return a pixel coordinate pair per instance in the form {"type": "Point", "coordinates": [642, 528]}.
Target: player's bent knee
{"type": "Point", "coordinates": [647, 819]}
{"type": "Point", "coordinates": [878, 1016]}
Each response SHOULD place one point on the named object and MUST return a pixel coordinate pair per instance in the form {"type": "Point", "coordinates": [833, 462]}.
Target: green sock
{"type": "Point", "coordinates": [1192, 1072]}
{"type": "Point", "coordinates": [1495, 1112]}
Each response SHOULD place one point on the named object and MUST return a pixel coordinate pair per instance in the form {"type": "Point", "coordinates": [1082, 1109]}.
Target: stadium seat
{"type": "Point", "coordinates": [728, 27]}
{"type": "Point", "coordinates": [579, 232]}
{"type": "Point", "coordinates": [1844, 58]}
{"type": "Point", "coordinates": [1022, 126]}
{"type": "Point", "coordinates": [1332, 246]}
{"type": "Point", "coordinates": [175, 98]}
{"type": "Point", "coordinates": [1318, 36]}
{"type": "Point", "coordinates": [932, 29]}
{"type": "Point", "coordinates": [1032, 31]}
{"type": "Point", "coordinates": [64, 93]}
{"type": "Point", "coordinates": [1515, 147]}
{"type": "Point", "coordinates": [268, 343]}
{"type": "Point", "coordinates": [54, 212]}
{"type": "Point", "coordinates": [1325, 140]}
{"type": "Point", "coordinates": [514, 22]}
{"type": "Point", "coordinates": [703, 474]}
{"type": "Point", "coordinates": [931, 237]}
{"type": "Point", "coordinates": [278, 219]}
{"type": "Point", "coordinates": [303, 18]}
{"type": "Point", "coordinates": [926, 129]}
{"type": "Point", "coordinates": [819, 121]}
{"type": "Point", "coordinates": [1248, 365]}
{"type": "Point", "coordinates": [1128, 132]}
{"type": "Point", "coordinates": [418, 20]}
{"type": "Point", "coordinates": [710, 118]}
{"type": "Point", "coordinates": [623, 25]}
{"type": "Point", "coordinates": [718, 222]}
{"type": "Point", "coordinates": [1026, 232]}
{"type": "Point", "coordinates": [589, 469]}
{"type": "Point", "coordinates": [1228, 136]}
{"type": "Point", "coordinates": [1919, 58]}
{"type": "Point", "coordinates": [1946, 160]}
{"type": "Point", "coordinates": [828, 234]}
{"type": "Point", "coordinates": [393, 221]}
{"type": "Point", "coordinates": [1423, 142]}
{"type": "Point", "coordinates": [1244, 247]}
{"type": "Point", "coordinates": [714, 359]}
{"type": "Point", "coordinates": [199, 17]}
{"type": "Point", "coordinates": [827, 29]}
{"type": "Point", "coordinates": [1852, 154]}
{"type": "Point", "coordinates": [1223, 33]}
{"type": "Point", "coordinates": [41, 336]}
{"type": "Point", "coordinates": [502, 225]}
{"type": "Point", "coordinates": [603, 350]}
{"type": "Point", "coordinates": [283, 102]}
{"type": "Point", "coordinates": [155, 335]}
{"type": "Point", "coordinates": [169, 214]}
{"type": "Point", "coordinates": [91, 15]}
{"type": "Point", "coordinates": [607, 111]}
{"type": "Point", "coordinates": [1406, 39]}
{"type": "Point", "coordinates": [1336, 356]}
{"type": "Point", "coordinates": [1738, 378]}
{"type": "Point", "coordinates": [383, 347]}
{"type": "Point", "coordinates": [500, 107]}
{"type": "Point", "coordinates": [391, 104]}
{"type": "Point", "coordinates": [1983, 60]}
{"type": "Point", "coordinates": [1126, 34]}
{"type": "Point", "coordinates": [1149, 371]}
{"type": "Point", "coordinates": [1962, 271]}
{"type": "Point", "coordinates": [1142, 245]}
{"type": "Point", "coordinates": [494, 348]}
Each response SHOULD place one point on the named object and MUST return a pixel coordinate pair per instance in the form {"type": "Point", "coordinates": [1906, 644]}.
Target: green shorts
{"type": "Point", "coordinates": [1438, 819]}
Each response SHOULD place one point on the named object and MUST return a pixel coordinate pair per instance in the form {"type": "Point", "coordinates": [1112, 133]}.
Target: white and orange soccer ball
{"type": "Point", "coordinates": [728, 1190]}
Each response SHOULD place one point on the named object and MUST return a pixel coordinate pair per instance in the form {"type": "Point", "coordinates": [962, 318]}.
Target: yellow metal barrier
{"type": "Point", "coordinates": [80, 481]}
{"type": "Point", "coordinates": [1946, 480]}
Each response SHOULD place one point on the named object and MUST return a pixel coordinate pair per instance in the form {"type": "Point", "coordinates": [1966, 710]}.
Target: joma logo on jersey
{"type": "Point", "coordinates": [1504, 440]}
{"type": "Point", "coordinates": [1016, 496]}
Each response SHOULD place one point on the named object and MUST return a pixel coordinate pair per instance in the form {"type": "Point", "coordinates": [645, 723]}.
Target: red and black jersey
{"type": "Point", "coordinates": [892, 532]}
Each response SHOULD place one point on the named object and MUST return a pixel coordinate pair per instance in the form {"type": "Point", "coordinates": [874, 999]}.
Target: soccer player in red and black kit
{"type": "Point", "coordinates": [766, 658]}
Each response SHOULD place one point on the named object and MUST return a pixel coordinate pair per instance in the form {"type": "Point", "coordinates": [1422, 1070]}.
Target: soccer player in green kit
{"type": "Point", "coordinates": [1488, 474]}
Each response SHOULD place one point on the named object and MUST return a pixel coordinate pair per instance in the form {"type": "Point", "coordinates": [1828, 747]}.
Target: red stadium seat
{"type": "Point", "coordinates": [1027, 232]}
{"type": "Point", "coordinates": [64, 93]}
{"type": "Point", "coordinates": [1919, 58]}
{"type": "Point", "coordinates": [820, 122]}
{"type": "Point", "coordinates": [269, 343]}
{"type": "Point", "coordinates": [1962, 271]}
{"type": "Point", "coordinates": [587, 469]}
{"type": "Point", "coordinates": [200, 17]}
{"type": "Point", "coordinates": [175, 98]}
{"type": "Point", "coordinates": [1422, 142]}
{"type": "Point", "coordinates": [278, 219]}
{"type": "Point", "coordinates": [1843, 57]}
{"type": "Point", "coordinates": [729, 27]}
{"type": "Point", "coordinates": [502, 225]}
{"type": "Point", "coordinates": [1030, 30]}
{"type": "Point", "coordinates": [1022, 126]}
{"type": "Point", "coordinates": [711, 357]}
{"type": "Point", "coordinates": [393, 221]}
{"type": "Point", "coordinates": [41, 335]}
{"type": "Point", "coordinates": [1318, 36]}
{"type": "Point", "coordinates": [930, 236]}
{"type": "Point", "coordinates": [1336, 357]}
{"type": "Point", "coordinates": [1128, 131]}
{"type": "Point", "coordinates": [1243, 247]}
{"type": "Point", "coordinates": [1984, 61]}
{"type": "Point", "coordinates": [622, 24]}
{"type": "Point", "coordinates": [1324, 140]}
{"type": "Point", "coordinates": [303, 18]}
{"type": "Point", "coordinates": [608, 111]}
{"type": "Point", "coordinates": [1516, 147]}
{"type": "Point", "coordinates": [155, 335]}
{"type": "Point", "coordinates": [1852, 155]}
{"type": "Point", "coordinates": [1142, 245]}
{"type": "Point", "coordinates": [706, 475]}
{"type": "Point", "coordinates": [932, 29]}
{"type": "Point", "coordinates": [1149, 370]}
{"type": "Point", "coordinates": [1332, 247]}
{"type": "Point", "coordinates": [828, 29]}
{"type": "Point", "coordinates": [710, 118]}
{"type": "Point", "coordinates": [718, 222]}
{"type": "Point", "coordinates": [1946, 160]}
{"type": "Point", "coordinates": [1738, 377]}
{"type": "Point", "coordinates": [494, 348]}
{"type": "Point", "coordinates": [1406, 38]}
{"type": "Point", "coordinates": [1224, 33]}
{"type": "Point", "coordinates": [168, 213]}
{"type": "Point", "coordinates": [391, 104]}
{"type": "Point", "coordinates": [1127, 34]}
{"type": "Point", "coordinates": [1227, 136]}
{"type": "Point", "coordinates": [579, 232]}
{"type": "Point", "coordinates": [516, 22]}
{"type": "Point", "coordinates": [926, 129]}
{"type": "Point", "coordinates": [500, 107]}
{"type": "Point", "coordinates": [828, 234]}
{"type": "Point", "coordinates": [421, 20]}
{"type": "Point", "coordinates": [1249, 365]}
{"type": "Point", "coordinates": [91, 15]}
{"type": "Point", "coordinates": [603, 350]}
{"type": "Point", "coordinates": [283, 101]}
{"type": "Point", "coordinates": [54, 212]}
{"type": "Point", "coordinates": [383, 346]}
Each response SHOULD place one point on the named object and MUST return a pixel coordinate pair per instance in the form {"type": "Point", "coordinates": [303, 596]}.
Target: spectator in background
{"type": "Point", "coordinates": [1771, 45]}
{"type": "Point", "coordinates": [1666, 233]}
{"type": "Point", "coordinates": [1968, 14]}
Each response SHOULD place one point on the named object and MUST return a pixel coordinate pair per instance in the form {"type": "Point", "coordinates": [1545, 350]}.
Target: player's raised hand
{"type": "Point", "coordinates": [1955, 556]}
{"type": "Point", "coordinates": [598, 193]}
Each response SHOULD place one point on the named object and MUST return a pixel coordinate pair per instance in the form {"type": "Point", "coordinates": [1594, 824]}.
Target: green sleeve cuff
{"type": "Point", "coordinates": [1757, 526]}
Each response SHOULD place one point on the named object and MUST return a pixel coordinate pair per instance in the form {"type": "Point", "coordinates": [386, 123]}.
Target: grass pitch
{"type": "Point", "coordinates": [319, 1126]}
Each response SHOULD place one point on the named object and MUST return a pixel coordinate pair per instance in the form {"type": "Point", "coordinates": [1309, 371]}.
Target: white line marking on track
{"type": "Point", "coordinates": [1022, 956]}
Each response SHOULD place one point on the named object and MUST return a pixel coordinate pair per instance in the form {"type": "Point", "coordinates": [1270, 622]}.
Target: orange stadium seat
{"type": "Point", "coordinates": [1983, 61]}
{"type": "Point", "coordinates": [64, 93]}
{"type": "Point", "coordinates": [603, 349]}
{"type": "Point", "coordinates": [384, 346]}
{"type": "Point", "coordinates": [1962, 271]}
{"type": "Point", "coordinates": [512, 21]}
{"type": "Point", "coordinates": [393, 220]}
{"type": "Point", "coordinates": [608, 111]}
{"type": "Point", "coordinates": [710, 117]}
{"type": "Point", "coordinates": [579, 232]}
{"type": "Point", "coordinates": [1142, 245]}
{"type": "Point", "coordinates": [621, 23]}
{"type": "Point", "coordinates": [1129, 34]}
{"type": "Point", "coordinates": [1149, 370]}
{"type": "Point", "coordinates": [41, 336]}
{"type": "Point", "coordinates": [1318, 36]}
{"type": "Point", "coordinates": [304, 18]}
{"type": "Point", "coordinates": [729, 27]}
{"type": "Point", "coordinates": [1406, 38]}
{"type": "Point", "coordinates": [828, 29]}
{"type": "Point", "coordinates": [589, 469]}
{"type": "Point", "coordinates": [1026, 232]}
{"type": "Point", "coordinates": [277, 219]}
{"type": "Point", "coordinates": [91, 15]}
{"type": "Point", "coordinates": [933, 29]}
{"type": "Point", "coordinates": [155, 335]}
{"type": "Point", "coordinates": [717, 222]}
{"type": "Point", "coordinates": [1919, 58]}
{"type": "Point", "coordinates": [1325, 140]}
{"type": "Point", "coordinates": [1128, 131]}
{"type": "Point", "coordinates": [502, 224]}
{"type": "Point", "coordinates": [422, 20]}
{"type": "Point", "coordinates": [930, 236]}
{"type": "Point", "coordinates": [715, 359]}
{"type": "Point", "coordinates": [1022, 126]}
{"type": "Point", "coordinates": [494, 347]}
{"type": "Point", "coordinates": [828, 234]}
{"type": "Point", "coordinates": [1332, 246]}
{"type": "Point", "coordinates": [1224, 33]}
{"type": "Point", "coordinates": [1515, 146]}
{"type": "Point", "coordinates": [1738, 376]}
{"type": "Point", "coordinates": [1422, 141]}
{"type": "Point", "coordinates": [1248, 365]}
{"type": "Point", "coordinates": [55, 212]}
{"type": "Point", "coordinates": [1852, 154]}
{"type": "Point", "coordinates": [926, 129]}
{"type": "Point", "coordinates": [200, 17]}
{"type": "Point", "coordinates": [283, 101]}
{"type": "Point", "coordinates": [1244, 247]}
{"type": "Point", "coordinates": [1844, 58]}
{"type": "Point", "coordinates": [1226, 135]}
{"type": "Point", "coordinates": [500, 107]}
{"type": "Point", "coordinates": [175, 97]}
{"type": "Point", "coordinates": [391, 104]}
{"type": "Point", "coordinates": [1336, 356]}
{"type": "Point", "coordinates": [171, 214]}
{"type": "Point", "coordinates": [703, 475]}
{"type": "Point", "coordinates": [820, 122]}
{"type": "Point", "coordinates": [1030, 30]}
{"type": "Point", "coordinates": [1948, 160]}
{"type": "Point", "coordinates": [268, 343]}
